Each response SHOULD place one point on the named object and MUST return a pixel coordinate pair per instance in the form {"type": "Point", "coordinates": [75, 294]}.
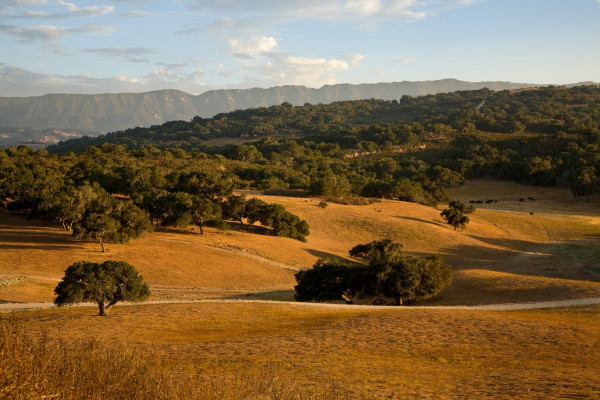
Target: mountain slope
{"type": "Point", "coordinates": [111, 112]}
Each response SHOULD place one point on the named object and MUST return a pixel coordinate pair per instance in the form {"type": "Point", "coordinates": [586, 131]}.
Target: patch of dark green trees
{"type": "Point", "coordinates": [390, 274]}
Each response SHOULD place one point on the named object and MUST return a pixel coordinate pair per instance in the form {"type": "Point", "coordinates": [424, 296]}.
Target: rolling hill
{"type": "Point", "coordinates": [114, 111]}
{"type": "Point", "coordinates": [239, 349]}
{"type": "Point", "coordinates": [504, 255]}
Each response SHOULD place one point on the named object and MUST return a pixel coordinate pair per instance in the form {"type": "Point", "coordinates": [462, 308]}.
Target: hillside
{"type": "Point", "coordinates": [111, 112]}
{"type": "Point", "coordinates": [243, 350]}
{"type": "Point", "coordinates": [371, 147]}
{"type": "Point", "coordinates": [504, 255]}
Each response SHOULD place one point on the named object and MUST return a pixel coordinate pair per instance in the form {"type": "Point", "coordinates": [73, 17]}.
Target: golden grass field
{"type": "Point", "coordinates": [404, 353]}
{"type": "Point", "coordinates": [505, 255]}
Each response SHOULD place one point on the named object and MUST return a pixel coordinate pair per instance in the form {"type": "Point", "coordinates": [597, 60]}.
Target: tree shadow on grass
{"type": "Point", "coordinates": [422, 220]}
{"type": "Point", "coordinates": [179, 231]}
{"type": "Point", "coordinates": [18, 239]}
{"type": "Point", "coordinates": [34, 247]}
{"type": "Point", "coordinates": [237, 226]}
{"type": "Point", "coordinates": [13, 221]}
{"type": "Point", "coordinates": [564, 260]}
{"type": "Point", "coordinates": [323, 254]}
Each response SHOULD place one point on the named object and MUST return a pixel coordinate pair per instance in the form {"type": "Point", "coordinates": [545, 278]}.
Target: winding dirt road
{"type": "Point", "coordinates": [11, 307]}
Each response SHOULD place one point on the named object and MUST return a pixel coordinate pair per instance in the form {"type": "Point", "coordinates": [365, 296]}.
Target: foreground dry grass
{"type": "Point", "coordinates": [41, 368]}
{"type": "Point", "coordinates": [364, 354]}
{"type": "Point", "coordinates": [504, 255]}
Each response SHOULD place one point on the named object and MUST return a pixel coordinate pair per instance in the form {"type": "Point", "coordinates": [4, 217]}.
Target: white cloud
{"type": "Point", "coordinates": [292, 70]}
{"type": "Point", "coordinates": [75, 11]}
{"type": "Point", "coordinates": [20, 2]}
{"type": "Point", "coordinates": [137, 14]}
{"type": "Point", "coordinates": [354, 59]}
{"type": "Point", "coordinates": [44, 33]}
{"type": "Point", "coordinates": [253, 46]}
{"type": "Point", "coordinates": [49, 33]}
{"type": "Point", "coordinates": [335, 10]}
{"type": "Point", "coordinates": [72, 11]}
{"type": "Point", "coordinates": [320, 63]}
{"type": "Point", "coordinates": [126, 52]}
{"type": "Point", "coordinates": [230, 24]}
{"type": "Point", "coordinates": [70, 6]}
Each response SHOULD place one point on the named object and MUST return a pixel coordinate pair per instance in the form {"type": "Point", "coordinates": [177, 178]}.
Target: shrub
{"type": "Point", "coordinates": [389, 274]}
{"type": "Point", "coordinates": [328, 279]}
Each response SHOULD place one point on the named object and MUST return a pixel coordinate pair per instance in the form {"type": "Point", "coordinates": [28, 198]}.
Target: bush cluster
{"type": "Point", "coordinates": [389, 274]}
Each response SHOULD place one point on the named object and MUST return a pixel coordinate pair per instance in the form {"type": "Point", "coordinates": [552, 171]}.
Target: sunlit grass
{"type": "Point", "coordinates": [503, 245]}
{"type": "Point", "coordinates": [427, 353]}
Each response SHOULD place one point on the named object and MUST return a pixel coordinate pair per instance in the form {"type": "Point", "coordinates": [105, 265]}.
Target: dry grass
{"type": "Point", "coordinates": [248, 350]}
{"type": "Point", "coordinates": [46, 368]}
{"type": "Point", "coordinates": [554, 253]}
{"type": "Point", "coordinates": [403, 353]}
{"type": "Point", "coordinates": [547, 199]}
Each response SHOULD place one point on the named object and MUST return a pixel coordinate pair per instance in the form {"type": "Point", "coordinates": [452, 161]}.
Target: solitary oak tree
{"type": "Point", "coordinates": [105, 284]}
{"type": "Point", "coordinates": [407, 277]}
{"type": "Point", "coordinates": [456, 215]}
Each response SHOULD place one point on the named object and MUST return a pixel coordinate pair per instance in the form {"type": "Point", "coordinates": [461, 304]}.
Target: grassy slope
{"type": "Point", "coordinates": [504, 255]}
{"type": "Point", "coordinates": [405, 352]}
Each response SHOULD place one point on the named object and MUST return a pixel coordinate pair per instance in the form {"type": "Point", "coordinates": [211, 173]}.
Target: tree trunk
{"type": "Point", "coordinates": [103, 310]}
{"type": "Point", "coordinates": [201, 230]}
{"type": "Point", "coordinates": [102, 244]}
{"type": "Point", "coordinates": [398, 300]}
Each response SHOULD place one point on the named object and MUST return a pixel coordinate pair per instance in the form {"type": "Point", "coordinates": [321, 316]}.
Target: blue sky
{"type": "Point", "coordinates": [68, 46]}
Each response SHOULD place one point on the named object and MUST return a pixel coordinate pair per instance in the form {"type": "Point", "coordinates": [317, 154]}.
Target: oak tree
{"type": "Point", "coordinates": [105, 284]}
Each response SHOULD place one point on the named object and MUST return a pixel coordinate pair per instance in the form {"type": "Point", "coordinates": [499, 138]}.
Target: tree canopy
{"type": "Point", "coordinates": [456, 215]}
{"type": "Point", "coordinates": [389, 274]}
{"type": "Point", "coordinates": [105, 284]}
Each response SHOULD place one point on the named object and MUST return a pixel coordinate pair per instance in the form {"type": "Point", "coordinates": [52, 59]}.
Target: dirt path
{"type": "Point", "coordinates": [10, 307]}
{"type": "Point", "coordinates": [501, 228]}
{"type": "Point", "coordinates": [236, 252]}
{"type": "Point", "coordinates": [43, 278]}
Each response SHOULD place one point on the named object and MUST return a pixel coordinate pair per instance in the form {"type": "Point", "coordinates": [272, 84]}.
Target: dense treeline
{"type": "Point", "coordinates": [546, 110]}
{"type": "Point", "coordinates": [108, 194]}
{"type": "Point", "coordinates": [409, 149]}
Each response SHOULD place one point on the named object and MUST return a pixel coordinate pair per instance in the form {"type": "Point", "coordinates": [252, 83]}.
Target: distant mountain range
{"type": "Point", "coordinates": [53, 117]}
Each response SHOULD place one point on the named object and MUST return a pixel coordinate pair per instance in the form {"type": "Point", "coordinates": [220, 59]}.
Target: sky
{"type": "Point", "coordinates": [98, 46]}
